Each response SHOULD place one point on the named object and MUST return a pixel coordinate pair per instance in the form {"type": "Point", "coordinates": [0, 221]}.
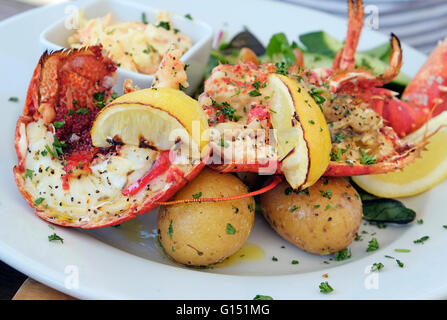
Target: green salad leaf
{"type": "Point", "coordinates": [387, 210]}
{"type": "Point", "coordinates": [279, 49]}
{"type": "Point", "coordinates": [321, 42]}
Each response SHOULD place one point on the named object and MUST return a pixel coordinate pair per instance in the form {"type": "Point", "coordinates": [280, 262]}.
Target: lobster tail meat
{"type": "Point", "coordinates": [72, 182]}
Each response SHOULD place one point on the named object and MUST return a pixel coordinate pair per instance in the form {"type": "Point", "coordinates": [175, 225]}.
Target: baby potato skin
{"type": "Point", "coordinates": [323, 220]}
{"type": "Point", "coordinates": [200, 234]}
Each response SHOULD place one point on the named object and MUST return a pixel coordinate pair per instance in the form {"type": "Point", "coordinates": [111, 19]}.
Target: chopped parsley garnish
{"type": "Point", "coordinates": [170, 229]}
{"type": "Point", "coordinates": [274, 259]}
{"type": "Point", "coordinates": [295, 262]}
{"type": "Point", "coordinates": [218, 105]}
{"type": "Point", "coordinates": [325, 287]}
{"type": "Point", "coordinates": [311, 122]}
{"type": "Point", "coordinates": [230, 229]}
{"type": "Point", "coordinates": [58, 124]}
{"type": "Point", "coordinates": [48, 149]}
{"type": "Point", "coordinates": [376, 267]}
{"type": "Point", "coordinates": [197, 195]}
{"type": "Point", "coordinates": [55, 237]}
{"type": "Point", "coordinates": [328, 207]}
{"type": "Point", "coordinates": [339, 152]}
{"type": "Point", "coordinates": [223, 143]}
{"type": "Point", "coordinates": [343, 254]}
{"type": "Point", "coordinates": [420, 221]}
{"type": "Point", "coordinates": [445, 226]}
{"type": "Point", "coordinates": [339, 137]}
{"type": "Point", "coordinates": [366, 159]}
{"type": "Point", "coordinates": [261, 297]}
{"type": "Point", "coordinates": [227, 111]}
{"type": "Point", "coordinates": [28, 174]}
{"type": "Point", "coordinates": [58, 147]}
{"type": "Point", "coordinates": [373, 245]}
{"type": "Point", "coordinates": [257, 85]}
{"type": "Point", "coordinates": [281, 68]}
{"type": "Point", "coordinates": [399, 263]}
{"type": "Point", "coordinates": [402, 250]}
{"type": "Point", "coordinates": [81, 111]}
{"type": "Point", "coordinates": [421, 240]}
{"type": "Point", "coordinates": [380, 225]}
{"type": "Point", "coordinates": [13, 99]}
{"type": "Point", "coordinates": [164, 25]}
{"type": "Point", "coordinates": [315, 93]}
{"type": "Point", "coordinates": [254, 93]}
{"type": "Point", "coordinates": [38, 201]}
{"type": "Point", "coordinates": [188, 16]}
{"type": "Point", "coordinates": [335, 156]}
{"type": "Point", "coordinates": [143, 18]}
{"type": "Point", "coordinates": [238, 91]}
{"type": "Point", "coordinates": [327, 193]}
{"type": "Point", "coordinates": [149, 49]}
{"type": "Point", "coordinates": [44, 153]}
{"type": "Point", "coordinates": [113, 96]}
{"type": "Point", "coordinates": [99, 98]}
{"type": "Point", "coordinates": [349, 162]}
{"type": "Point", "coordinates": [181, 87]}
{"type": "Point", "coordinates": [293, 208]}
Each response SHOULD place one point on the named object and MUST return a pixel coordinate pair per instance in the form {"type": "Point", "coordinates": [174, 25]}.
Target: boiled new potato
{"type": "Point", "coordinates": [322, 219]}
{"type": "Point", "coordinates": [201, 234]}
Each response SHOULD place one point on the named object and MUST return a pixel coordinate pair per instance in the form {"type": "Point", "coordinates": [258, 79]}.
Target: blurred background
{"type": "Point", "coordinates": [418, 23]}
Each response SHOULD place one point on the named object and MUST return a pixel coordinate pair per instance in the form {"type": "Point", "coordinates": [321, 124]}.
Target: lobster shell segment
{"type": "Point", "coordinates": [66, 79]}
{"type": "Point", "coordinates": [85, 187]}
{"type": "Point", "coordinates": [427, 91]}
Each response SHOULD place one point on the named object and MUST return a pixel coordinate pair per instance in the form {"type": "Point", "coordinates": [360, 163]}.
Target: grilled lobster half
{"type": "Point", "coordinates": [66, 178]}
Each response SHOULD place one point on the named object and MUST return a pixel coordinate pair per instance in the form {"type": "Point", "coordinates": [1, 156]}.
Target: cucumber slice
{"type": "Point", "coordinates": [379, 67]}
{"type": "Point", "coordinates": [381, 52]}
{"type": "Point", "coordinates": [321, 42]}
{"type": "Point", "coordinates": [317, 60]}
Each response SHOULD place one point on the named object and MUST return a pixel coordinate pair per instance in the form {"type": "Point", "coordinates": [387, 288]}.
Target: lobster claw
{"type": "Point", "coordinates": [427, 92]}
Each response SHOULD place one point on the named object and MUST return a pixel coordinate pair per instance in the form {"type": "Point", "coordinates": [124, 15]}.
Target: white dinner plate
{"type": "Point", "coordinates": [125, 262]}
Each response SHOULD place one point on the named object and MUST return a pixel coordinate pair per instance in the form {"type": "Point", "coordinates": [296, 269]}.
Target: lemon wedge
{"type": "Point", "coordinates": [301, 132]}
{"type": "Point", "coordinates": [154, 117]}
{"type": "Point", "coordinates": [421, 175]}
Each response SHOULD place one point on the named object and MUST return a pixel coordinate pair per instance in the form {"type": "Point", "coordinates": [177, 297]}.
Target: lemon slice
{"type": "Point", "coordinates": [302, 134]}
{"type": "Point", "coordinates": [421, 175]}
{"type": "Point", "coordinates": [155, 117]}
